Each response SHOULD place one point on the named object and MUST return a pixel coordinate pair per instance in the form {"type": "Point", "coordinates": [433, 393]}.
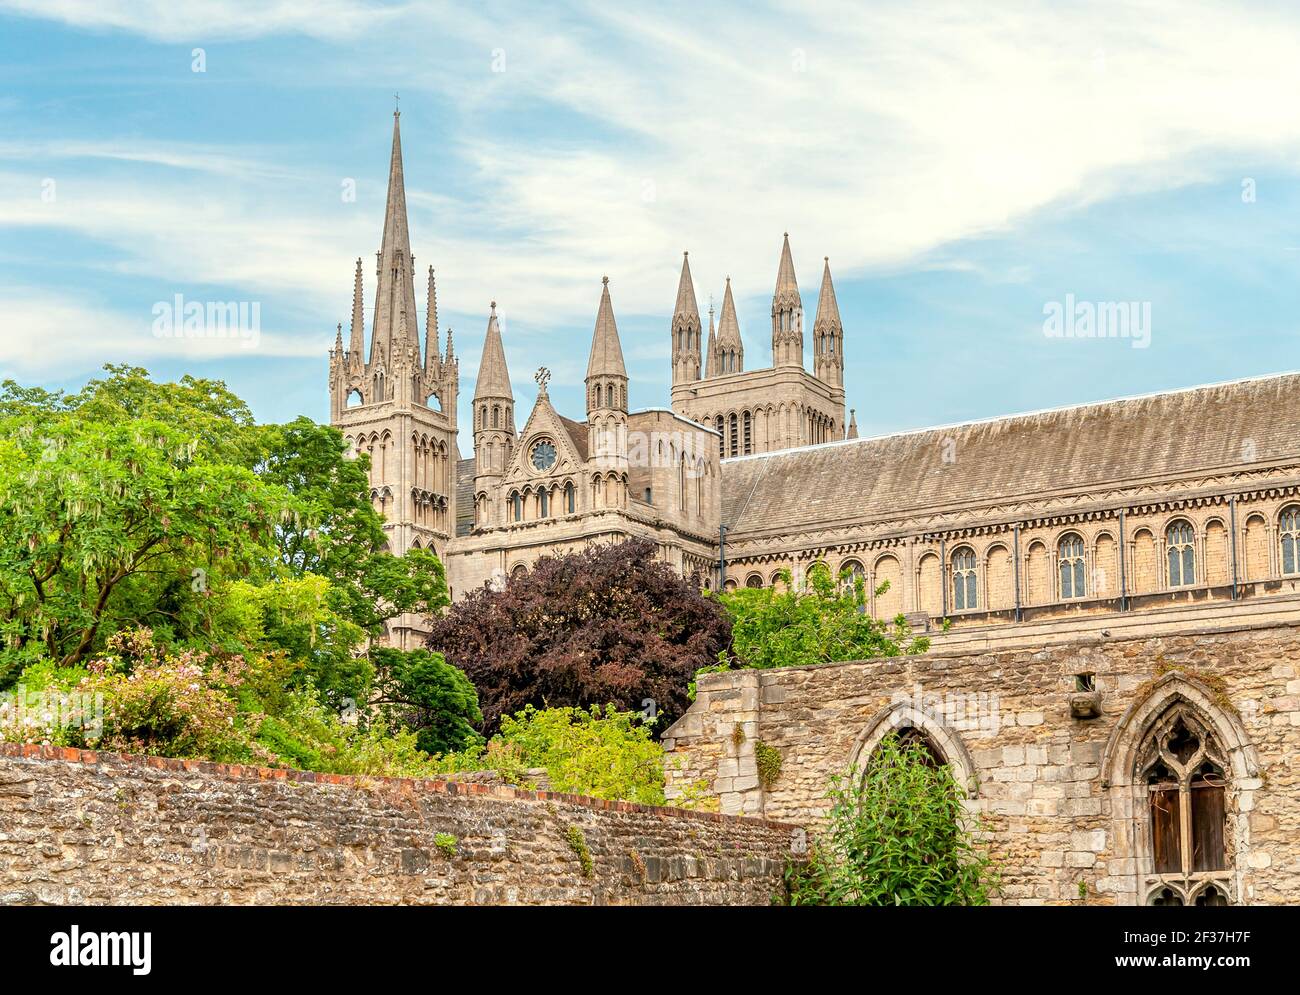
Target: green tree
{"type": "Point", "coordinates": [825, 622]}
{"type": "Point", "coordinates": [337, 533]}
{"type": "Point", "coordinates": [134, 503]}
{"type": "Point", "coordinates": [420, 691]}
{"type": "Point", "coordinates": [897, 834]}
{"type": "Point", "coordinates": [113, 510]}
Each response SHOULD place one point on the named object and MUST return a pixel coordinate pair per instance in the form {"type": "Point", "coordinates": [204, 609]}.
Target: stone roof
{"type": "Point", "coordinates": [606, 357]}
{"type": "Point", "coordinates": [828, 311]}
{"type": "Point", "coordinates": [728, 326]}
{"type": "Point", "coordinates": [686, 306]}
{"type": "Point", "coordinates": [577, 435]}
{"type": "Point", "coordinates": [1019, 457]}
{"type": "Point", "coordinates": [395, 294]}
{"type": "Point", "coordinates": [787, 286]}
{"type": "Point", "coordinates": [493, 376]}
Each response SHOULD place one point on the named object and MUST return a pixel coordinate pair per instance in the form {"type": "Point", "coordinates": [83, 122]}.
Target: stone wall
{"type": "Point", "coordinates": [1056, 794]}
{"type": "Point", "coordinates": [84, 828]}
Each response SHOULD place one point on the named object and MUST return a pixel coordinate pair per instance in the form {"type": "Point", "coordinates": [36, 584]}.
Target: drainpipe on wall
{"type": "Point", "coordinates": [1123, 556]}
{"type": "Point", "coordinates": [1016, 559]}
{"type": "Point", "coordinates": [943, 574]}
{"type": "Point", "coordinates": [722, 558]}
{"type": "Point", "coordinates": [1232, 512]}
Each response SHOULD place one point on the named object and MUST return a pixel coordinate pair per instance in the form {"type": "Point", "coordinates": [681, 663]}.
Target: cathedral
{"type": "Point", "coordinates": [1184, 497]}
{"type": "Point", "coordinates": [1112, 590]}
{"type": "Point", "coordinates": [557, 483]}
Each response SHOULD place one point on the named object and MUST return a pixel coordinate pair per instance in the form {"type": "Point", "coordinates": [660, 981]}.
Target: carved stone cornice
{"type": "Point", "coordinates": [1210, 490]}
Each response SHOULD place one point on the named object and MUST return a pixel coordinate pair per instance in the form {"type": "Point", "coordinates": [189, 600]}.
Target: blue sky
{"type": "Point", "coordinates": [962, 168]}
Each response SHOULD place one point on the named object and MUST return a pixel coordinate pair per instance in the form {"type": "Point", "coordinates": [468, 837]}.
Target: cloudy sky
{"type": "Point", "coordinates": [964, 166]}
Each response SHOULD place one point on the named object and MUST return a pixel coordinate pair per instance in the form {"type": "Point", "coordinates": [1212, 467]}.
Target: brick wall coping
{"type": "Point", "coordinates": [248, 772]}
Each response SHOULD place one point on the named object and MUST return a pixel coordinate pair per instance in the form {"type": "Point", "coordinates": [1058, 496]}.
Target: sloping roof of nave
{"type": "Point", "coordinates": [1065, 450]}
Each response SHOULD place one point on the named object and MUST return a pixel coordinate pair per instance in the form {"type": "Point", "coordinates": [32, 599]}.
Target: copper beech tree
{"type": "Point", "coordinates": [608, 624]}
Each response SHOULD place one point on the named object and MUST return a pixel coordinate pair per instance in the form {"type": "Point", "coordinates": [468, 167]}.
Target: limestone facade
{"type": "Point", "coordinates": [1064, 781]}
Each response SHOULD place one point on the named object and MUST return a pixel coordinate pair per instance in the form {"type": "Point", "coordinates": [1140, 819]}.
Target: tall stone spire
{"type": "Point", "coordinates": [828, 334]}
{"type": "Point", "coordinates": [357, 345]}
{"type": "Point", "coordinates": [606, 359]}
{"type": "Point", "coordinates": [493, 376]}
{"type": "Point", "coordinates": [494, 423]}
{"type": "Point", "coordinates": [607, 402]}
{"type": "Point", "coordinates": [711, 347]}
{"type": "Point", "coordinates": [686, 329]}
{"type": "Point", "coordinates": [432, 356]}
{"type": "Point", "coordinates": [853, 424]}
{"type": "Point", "coordinates": [395, 295]}
{"type": "Point", "coordinates": [381, 400]}
{"type": "Point", "coordinates": [730, 351]}
{"type": "Point", "coordinates": [787, 313]}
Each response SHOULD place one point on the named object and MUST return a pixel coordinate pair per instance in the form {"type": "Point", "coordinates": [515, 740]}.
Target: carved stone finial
{"type": "Point", "coordinates": [543, 377]}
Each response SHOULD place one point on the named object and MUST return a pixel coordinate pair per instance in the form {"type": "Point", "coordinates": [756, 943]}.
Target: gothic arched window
{"type": "Point", "coordinates": [1182, 765]}
{"type": "Point", "coordinates": [748, 434]}
{"type": "Point", "coordinates": [731, 425]}
{"type": "Point", "coordinates": [1070, 556]}
{"type": "Point", "coordinates": [965, 587]}
{"type": "Point", "coordinates": [1288, 528]}
{"type": "Point", "coordinates": [1182, 554]}
{"type": "Point", "coordinates": [722, 450]}
{"type": "Point", "coordinates": [753, 581]}
{"type": "Point", "coordinates": [544, 502]}
{"type": "Point", "coordinates": [851, 571]}
{"type": "Point", "coordinates": [517, 506]}
{"type": "Point", "coordinates": [909, 737]}
{"type": "Point", "coordinates": [569, 498]}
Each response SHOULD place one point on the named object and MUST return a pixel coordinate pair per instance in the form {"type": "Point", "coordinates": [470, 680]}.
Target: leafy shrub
{"type": "Point", "coordinates": [609, 624]}
{"type": "Point", "coordinates": [825, 622]}
{"type": "Point", "coordinates": [578, 844]}
{"type": "Point", "coordinates": [308, 736]}
{"type": "Point", "coordinates": [600, 753]}
{"type": "Point", "coordinates": [176, 707]}
{"type": "Point", "coordinates": [897, 835]}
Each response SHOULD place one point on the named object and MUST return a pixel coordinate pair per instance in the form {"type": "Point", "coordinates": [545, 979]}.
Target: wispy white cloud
{"type": "Point", "coordinates": [62, 336]}
{"type": "Point", "coordinates": [195, 20]}
{"type": "Point", "coordinates": [875, 135]}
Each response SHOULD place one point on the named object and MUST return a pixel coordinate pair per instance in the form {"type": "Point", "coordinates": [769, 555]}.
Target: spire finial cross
{"type": "Point", "coordinates": [397, 103]}
{"type": "Point", "coordinates": [543, 377]}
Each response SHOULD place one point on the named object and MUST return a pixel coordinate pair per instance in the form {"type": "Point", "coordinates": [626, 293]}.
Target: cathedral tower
{"type": "Point", "coordinates": [607, 394]}
{"type": "Point", "coordinates": [729, 350]}
{"type": "Point", "coordinates": [686, 329]}
{"type": "Point", "coordinates": [381, 401]}
{"type": "Point", "coordinates": [787, 313]}
{"type": "Point", "coordinates": [828, 334]}
{"type": "Point", "coordinates": [494, 425]}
